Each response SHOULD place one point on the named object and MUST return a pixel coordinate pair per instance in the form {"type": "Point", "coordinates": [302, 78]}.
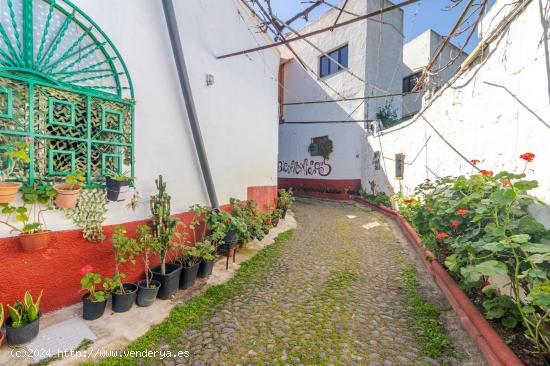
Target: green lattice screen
{"type": "Point", "coordinates": [63, 82]}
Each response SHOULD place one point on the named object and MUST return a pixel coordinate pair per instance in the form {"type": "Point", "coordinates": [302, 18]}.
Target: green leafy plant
{"type": "Point", "coordinates": [148, 245]}
{"type": "Point", "coordinates": [30, 215]}
{"type": "Point", "coordinates": [206, 250]}
{"type": "Point", "coordinates": [121, 177]}
{"type": "Point", "coordinates": [480, 227]}
{"type": "Point", "coordinates": [246, 220]}
{"type": "Point", "coordinates": [165, 227]}
{"type": "Point", "coordinates": [24, 312]}
{"type": "Point", "coordinates": [90, 281]}
{"type": "Point", "coordinates": [90, 213]}
{"type": "Point", "coordinates": [190, 255]}
{"type": "Point", "coordinates": [125, 250]}
{"type": "Point", "coordinates": [18, 152]}
{"type": "Point", "coordinates": [1, 315]}
{"type": "Point", "coordinates": [285, 200]}
{"type": "Point", "coordinates": [76, 178]}
{"type": "Point", "coordinates": [380, 198]}
{"type": "Point", "coordinates": [388, 115]}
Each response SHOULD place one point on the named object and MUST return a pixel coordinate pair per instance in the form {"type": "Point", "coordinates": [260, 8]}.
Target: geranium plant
{"type": "Point", "coordinates": [19, 152]}
{"type": "Point", "coordinates": [90, 283]}
{"type": "Point", "coordinates": [480, 227]}
{"type": "Point", "coordinates": [148, 245]}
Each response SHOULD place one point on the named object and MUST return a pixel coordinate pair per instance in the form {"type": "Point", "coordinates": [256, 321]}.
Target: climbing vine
{"type": "Point", "coordinates": [89, 214]}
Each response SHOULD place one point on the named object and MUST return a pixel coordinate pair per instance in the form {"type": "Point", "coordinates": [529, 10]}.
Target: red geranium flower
{"type": "Point", "coordinates": [463, 212]}
{"type": "Point", "coordinates": [474, 161]}
{"type": "Point", "coordinates": [527, 156]}
{"type": "Point", "coordinates": [487, 283]}
{"type": "Point", "coordinates": [409, 201]}
{"type": "Point", "coordinates": [440, 236]}
{"type": "Point", "coordinates": [454, 224]}
{"type": "Point", "coordinates": [505, 182]}
{"type": "Point", "coordinates": [86, 269]}
{"type": "Point", "coordinates": [486, 172]}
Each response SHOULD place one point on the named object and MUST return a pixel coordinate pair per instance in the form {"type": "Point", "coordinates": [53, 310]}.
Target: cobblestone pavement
{"type": "Point", "coordinates": [334, 298]}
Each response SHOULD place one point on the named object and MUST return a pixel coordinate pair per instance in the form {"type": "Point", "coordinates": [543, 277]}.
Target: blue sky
{"type": "Point", "coordinates": [418, 17]}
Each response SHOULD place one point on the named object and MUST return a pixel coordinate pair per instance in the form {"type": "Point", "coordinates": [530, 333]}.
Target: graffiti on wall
{"type": "Point", "coordinates": [307, 167]}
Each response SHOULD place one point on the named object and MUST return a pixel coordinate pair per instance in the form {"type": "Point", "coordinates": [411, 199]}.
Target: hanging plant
{"type": "Point", "coordinates": [89, 214]}
{"type": "Point", "coordinates": [321, 146]}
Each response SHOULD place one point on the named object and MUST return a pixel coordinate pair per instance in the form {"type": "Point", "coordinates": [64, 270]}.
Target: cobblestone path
{"type": "Point", "coordinates": [334, 298]}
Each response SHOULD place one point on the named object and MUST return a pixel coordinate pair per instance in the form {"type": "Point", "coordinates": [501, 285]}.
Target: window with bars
{"type": "Point", "coordinates": [328, 66]}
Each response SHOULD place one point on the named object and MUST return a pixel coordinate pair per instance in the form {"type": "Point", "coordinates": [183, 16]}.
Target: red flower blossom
{"type": "Point", "coordinates": [440, 236]}
{"type": "Point", "coordinates": [429, 208]}
{"type": "Point", "coordinates": [409, 200]}
{"type": "Point", "coordinates": [486, 283]}
{"type": "Point", "coordinates": [86, 269]}
{"type": "Point", "coordinates": [454, 224]}
{"type": "Point", "coordinates": [505, 182]}
{"type": "Point", "coordinates": [527, 156]}
{"type": "Point", "coordinates": [463, 212]}
{"type": "Point", "coordinates": [486, 172]}
{"type": "Point", "coordinates": [474, 161]}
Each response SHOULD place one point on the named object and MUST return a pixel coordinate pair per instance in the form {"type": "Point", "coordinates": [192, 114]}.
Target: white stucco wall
{"type": "Point", "coordinates": [494, 112]}
{"type": "Point", "coordinates": [416, 56]}
{"type": "Point", "coordinates": [375, 56]}
{"type": "Point", "coordinates": [237, 115]}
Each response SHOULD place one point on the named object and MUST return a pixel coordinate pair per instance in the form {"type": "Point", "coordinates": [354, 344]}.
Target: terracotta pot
{"type": "Point", "coordinates": [34, 242]}
{"type": "Point", "coordinates": [8, 190]}
{"type": "Point", "coordinates": [67, 195]}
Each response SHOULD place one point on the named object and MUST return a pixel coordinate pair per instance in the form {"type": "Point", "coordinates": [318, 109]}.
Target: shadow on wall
{"type": "Point", "coordinates": [344, 169]}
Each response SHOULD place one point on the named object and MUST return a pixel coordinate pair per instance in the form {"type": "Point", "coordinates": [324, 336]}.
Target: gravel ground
{"type": "Point", "coordinates": [335, 297]}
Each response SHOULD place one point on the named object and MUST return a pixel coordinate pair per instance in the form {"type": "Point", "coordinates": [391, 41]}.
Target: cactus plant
{"type": "Point", "coordinates": [89, 214]}
{"type": "Point", "coordinates": [164, 226]}
{"type": "Point", "coordinates": [25, 312]}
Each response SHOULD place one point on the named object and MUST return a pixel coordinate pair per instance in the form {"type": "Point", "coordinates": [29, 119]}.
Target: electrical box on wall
{"type": "Point", "coordinates": [399, 166]}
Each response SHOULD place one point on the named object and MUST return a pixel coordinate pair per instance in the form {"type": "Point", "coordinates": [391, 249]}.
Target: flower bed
{"type": "Point", "coordinates": [491, 345]}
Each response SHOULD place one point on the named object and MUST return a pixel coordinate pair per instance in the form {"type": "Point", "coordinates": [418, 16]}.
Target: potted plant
{"type": "Point", "coordinates": [275, 217]}
{"type": "Point", "coordinates": [165, 229]}
{"type": "Point", "coordinates": [93, 301]}
{"type": "Point", "coordinates": [285, 201]}
{"type": "Point", "coordinates": [207, 252]}
{"type": "Point", "coordinates": [147, 289]}
{"type": "Point", "coordinates": [124, 249]}
{"type": "Point", "coordinates": [24, 322]}
{"type": "Point", "coordinates": [2, 336]}
{"type": "Point", "coordinates": [115, 182]}
{"type": "Point", "coordinates": [68, 192]}
{"type": "Point", "coordinates": [12, 155]}
{"type": "Point", "coordinates": [33, 234]}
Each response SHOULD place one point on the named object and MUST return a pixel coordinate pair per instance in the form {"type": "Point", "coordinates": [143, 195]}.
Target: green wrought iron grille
{"type": "Point", "coordinates": [63, 82]}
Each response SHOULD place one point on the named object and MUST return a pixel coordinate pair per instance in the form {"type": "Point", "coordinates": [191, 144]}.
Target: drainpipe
{"type": "Point", "coordinates": [175, 41]}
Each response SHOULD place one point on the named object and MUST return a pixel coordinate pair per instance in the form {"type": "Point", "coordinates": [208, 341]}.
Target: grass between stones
{"type": "Point", "coordinates": [431, 333]}
{"type": "Point", "coordinates": [192, 312]}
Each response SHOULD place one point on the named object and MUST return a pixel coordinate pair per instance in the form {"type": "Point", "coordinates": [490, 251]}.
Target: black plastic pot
{"type": "Point", "coordinates": [283, 213]}
{"type": "Point", "coordinates": [24, 334]}
{"type": "Point", "coordinates": [146, 295]}
{"type": "Point", "coordinates": [92, 310]}
{"type": "Point", "coordinates": [189, 276]}
{"type": "Point", "coordinates": [229, 242]}
{"type": "Point", "coordinates": [114, 188]}
{"type": "Point", "coordinates": [123, 302]}
{"type": "Point", "coordinates": [169, 283]}
{"type": "Point", "coordinates": [205, 268]}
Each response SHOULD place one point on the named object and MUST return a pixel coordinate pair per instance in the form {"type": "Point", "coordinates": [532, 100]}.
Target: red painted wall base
{"type": "Point", "coordinates": [56, 270]}
{"type": "Point", "coordinates": [321, 184]}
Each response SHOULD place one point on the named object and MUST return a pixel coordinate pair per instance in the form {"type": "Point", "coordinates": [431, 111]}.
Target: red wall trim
{"type": "Point", "coordinates": [56, 270]}
{"type": "Point", "coordinates": [320, 184]}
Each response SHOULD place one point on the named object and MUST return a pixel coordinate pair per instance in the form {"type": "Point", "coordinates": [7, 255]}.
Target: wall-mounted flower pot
{"type": "Point", "coordinates": [189, 276]}
{"type": "Point", "coordinates": [8, 191]}
{"type": "Point", "coordinates": [205, 268]}
{"type": "Point", "coordinates": [122, 302]}
{"type": "Point", "coordinates": [169, 282]}
{"type": "Point", "coordinates": [92, 310]}
{"type": "Point", "coordinates": [34, 242]}
{"type": "Point", "coordinates": [67, 195]}
{"type": "Point", "coordinates": [147, 294]}
{"type": "Point", "coordinates": [24, 334]}
{"type": "Point", "coordinates": [114, 187]}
